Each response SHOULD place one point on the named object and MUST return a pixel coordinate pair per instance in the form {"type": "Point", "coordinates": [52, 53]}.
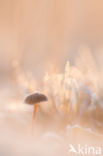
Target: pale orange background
{"type": "Point", "coordinates": [38, 32]}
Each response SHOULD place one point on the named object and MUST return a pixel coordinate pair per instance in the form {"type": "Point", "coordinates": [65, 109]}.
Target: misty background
{"type": "Point", "coordinates": [40, 36]}
{"type": "Point", "coordinates": [40, 33]}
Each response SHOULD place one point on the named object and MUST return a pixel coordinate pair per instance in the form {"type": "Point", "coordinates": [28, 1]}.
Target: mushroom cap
{"type": "Point", "coordinates": [35, 98]}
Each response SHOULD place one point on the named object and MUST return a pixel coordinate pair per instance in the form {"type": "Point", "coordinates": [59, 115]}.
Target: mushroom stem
{"type": "Point", "coordinates": [34, 115]}
{"type": "Point", "coordinates": [34, 99]}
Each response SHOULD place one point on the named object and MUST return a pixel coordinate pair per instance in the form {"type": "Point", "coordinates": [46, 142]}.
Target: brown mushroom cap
{"type": "Point", "coordinates": [35, 98]}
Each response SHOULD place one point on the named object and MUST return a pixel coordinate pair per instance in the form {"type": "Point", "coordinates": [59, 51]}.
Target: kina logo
{"type": "Point", "coordinates": [85, 150]}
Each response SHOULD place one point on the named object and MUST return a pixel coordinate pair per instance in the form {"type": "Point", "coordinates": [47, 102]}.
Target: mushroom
{"type": "Point", "coordinates": [34, 99]}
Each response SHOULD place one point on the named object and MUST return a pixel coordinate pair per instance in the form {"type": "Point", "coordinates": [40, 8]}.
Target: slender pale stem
{"type": "Point", "coordinates": [34, 116]}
